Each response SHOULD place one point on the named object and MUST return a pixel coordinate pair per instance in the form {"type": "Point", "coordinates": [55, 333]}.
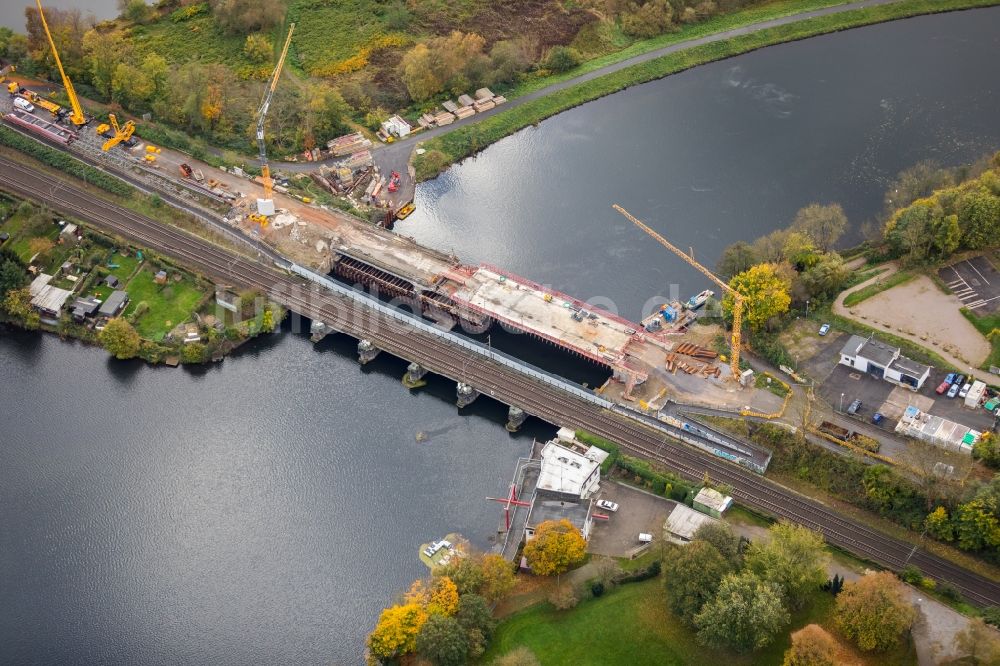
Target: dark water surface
{"type": "Point", "coordinates": [726, 151]}
{"type": "Point", "coordinates": [263, 510]}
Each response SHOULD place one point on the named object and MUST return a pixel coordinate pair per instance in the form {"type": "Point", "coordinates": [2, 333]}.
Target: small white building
{"type": "Point", "coordinates": [398, 127]}
{"type": "Point", "coordinates": [975, 394]}
{"type": "Point", "coordinates": [569, 467]}
{"type": "Point", "coordinates": [683, 522]}
{"type": "Point", "coordinates": [884, 361]}
{"type": "Point", "coordinates": [711, 501]}
{"type": "Point", "coordinates": [937, 431]}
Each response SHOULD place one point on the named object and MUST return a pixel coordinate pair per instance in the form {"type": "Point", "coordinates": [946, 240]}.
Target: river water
{"type": "Point", "coordinates": [12, 11]}
{"type": "Point", "coordinates": [726, 151]}
{"type": "Point", "coordinates": [263, 510]}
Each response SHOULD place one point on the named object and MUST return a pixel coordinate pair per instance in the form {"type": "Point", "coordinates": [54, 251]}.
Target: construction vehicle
{"type": "Point", "coordinates": [76, 115]}
{"type": "Point", "coordinates": [394, 181]}
{"type": "Point", "coordinates": [736, 340]}
{"type": "Point", "coordinates": [12, 87]}
{"type": "Point", "coordinates": [34, 98]}
{"type": "Point", "coordinates": [119, 133]}
{"type": "Point", "coordinates": [265, 205]}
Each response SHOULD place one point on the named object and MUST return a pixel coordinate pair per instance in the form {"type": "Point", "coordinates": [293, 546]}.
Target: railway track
{"type": "Point", "coordinates": [494, 380]}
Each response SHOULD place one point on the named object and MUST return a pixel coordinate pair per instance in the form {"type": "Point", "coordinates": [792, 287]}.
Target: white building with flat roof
{"type": "Point", "coordinates": [683, 522]}
{"type": "Point", "coordinates": [569, 467]}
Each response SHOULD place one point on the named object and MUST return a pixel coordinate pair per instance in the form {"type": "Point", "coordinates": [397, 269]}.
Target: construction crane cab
{"type": "Point", "coordinates": [736, 340]}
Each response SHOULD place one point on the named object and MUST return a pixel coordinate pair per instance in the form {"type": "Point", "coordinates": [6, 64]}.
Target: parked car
{"type": "Point", "coordinates": [824, 329]}
{"type": "Point", "coordinates": [959, 380]}
{"type": "Point", "coordinates": [950, 378]}
{"type": "Point", "coordinates": [645, 538]}
{"type": "Point", "coordinates": [24, 104]}
{"type": "Point", "coordinates": [608, 505]}
{"type": "Point", "coordinates": [877, 418]}
{"type": "Point", "coordinates": [854, 408]}
{"type": "Point", "coordinates": [942, 387]}
{"type": "Point", "coordinates": [964, 390]}
{"type": "Point", "coordinates": [953, 391]}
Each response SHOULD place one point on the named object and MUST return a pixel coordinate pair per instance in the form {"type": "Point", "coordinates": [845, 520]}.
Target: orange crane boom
{"type": "Point", "coordinates": [736, 341]}
{"type": "Point", "coordinates": [76, 117]}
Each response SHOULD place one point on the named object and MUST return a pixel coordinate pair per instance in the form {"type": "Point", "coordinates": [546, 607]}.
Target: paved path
{"type": "Point", "coordinates": [956, 362]}
{"type": "Point", "coordinates": [398, 153]}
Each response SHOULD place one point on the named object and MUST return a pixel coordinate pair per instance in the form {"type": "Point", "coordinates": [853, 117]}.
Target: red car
{"type": "Point", "coordinates": [944, 386]}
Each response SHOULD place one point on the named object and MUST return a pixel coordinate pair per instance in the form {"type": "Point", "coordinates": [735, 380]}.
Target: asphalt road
{"type": "Point", "coordinates": [491, 379]}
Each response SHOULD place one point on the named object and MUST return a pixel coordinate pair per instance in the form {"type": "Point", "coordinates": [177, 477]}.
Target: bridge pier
{"type": "Point", "coordinates": [466, 395]}
{"type": "Point", "coordinates": [515, 418]}
{"type": "Point", "coordinates": [367, 351]}
{"type": "Point", "coordinates": [318, 330]}
{"type": "Point", "coordinates": [414, 377]}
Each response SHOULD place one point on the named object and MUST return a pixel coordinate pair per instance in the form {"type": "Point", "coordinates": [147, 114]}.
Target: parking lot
{"type": "Point", "coordinates": [975, 282]}
{"type": "Point", "coordinates": [874, 394]}
{"type": "Point", "coordinates": [638, 511]}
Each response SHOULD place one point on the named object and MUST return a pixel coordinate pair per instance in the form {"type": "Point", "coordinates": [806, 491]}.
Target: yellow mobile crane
{"type": "Point", "coordinates": [265, 205]}
{"type": "Point", "coordinates": [76, 116]}
{"type": "Point", "coordinates": [734, 358]}
{"type": "Point", "coordinates": [121, 132]}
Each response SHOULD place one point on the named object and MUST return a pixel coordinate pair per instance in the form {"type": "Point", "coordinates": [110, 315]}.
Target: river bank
{"type": "Point", "coordinates": [444, 150]}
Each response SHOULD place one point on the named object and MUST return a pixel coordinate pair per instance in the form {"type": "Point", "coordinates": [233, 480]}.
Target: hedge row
{"type": "Point", "coordinates": [63, 162]}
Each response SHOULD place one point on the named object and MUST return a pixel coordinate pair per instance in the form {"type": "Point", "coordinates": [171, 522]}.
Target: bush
{"type": "Point", "coordinates": [64, 162]}
{"type": "Point", "coordinates": [652, 571]}
{"type": "Point", "coordinates": [911, 574]}
{"type": "Point", "coordinates": [562, 59]}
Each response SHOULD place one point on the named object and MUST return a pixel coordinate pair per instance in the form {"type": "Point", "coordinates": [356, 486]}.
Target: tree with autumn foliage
{"type": "Point", "coordinates": [765, 294]}
{"type": "Point", "coordinates": [875, 611]}
{"type": "Point", "coordinates": [556, 547]}
{"type": "Point", "coordinates": [396, 631]}
{"type": "Point", "coordinates": [811, 646]}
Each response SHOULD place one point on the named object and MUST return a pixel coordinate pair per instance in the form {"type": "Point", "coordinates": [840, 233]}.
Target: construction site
{"type": "Point", "coordinates": [663, 358]}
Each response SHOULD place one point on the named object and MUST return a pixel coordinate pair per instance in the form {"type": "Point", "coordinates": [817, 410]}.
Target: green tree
{"type": "Point", "coordinates": [13, 272]}
{"type": "Point", "coordinates": [736, 258]}
{"type": "Point", "coordinates": [987, 449]}
{"type": "Point", "coordinates": [562, 59]}
{"type": "Point", "coordinates": [104, 50]}
{"type": "Point", "coordinates": [418, 75]}
{"type": "Point", "coordinates": [874, 611]}
{"type": "Point", "coordinates": [443, 641]}
{"type": "Point", "coordinates": [811, 646]}
{"type": "Point", "coordinates": [765, 294]}
{"type": "Point", "coordinates": [746, 613]}
{"type": "Point", "coordinates": [823, 224]}
{"type": "Point", "coordinates": [826, 277]}
{"type": "Point", "coordinates": [193, 352]}
{"type": "Point", "coordinates": [258, 48]}
{"type": "Point", "coordinates": [498, 577]}
{"type": "Point", "coordinates": [466, 573]}
{"type": "Point", "coordinates": [476, 619]}
{"type": "Point", "coordinates": [120, 339]}
{"type": "Point", "coordinates": [508, 59]}
{"type": "Point", "coordinates": [979, 215]}
{"type": "Point", "coordinates": [692, 574]}
{"type": "Point", "coordinates": [976, 524]}
{"type": "Point", "coordinates": [556, 547]}
{"type": "Point", "coordinates": [910, 231]}
{"type": "Point", "coordinates": [722, 537]}
{"type": "Point", "coordinates": [947, 235]}
{"type": "Point", "coordinates": [794, 558]}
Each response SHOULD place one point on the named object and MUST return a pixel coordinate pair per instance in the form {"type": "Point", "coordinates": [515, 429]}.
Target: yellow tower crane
{"type": "Point", "coordinates": [76, 116]}
{"type": "Point", "coordinates": [734, 358]}
{"type": "Point", "coordinates": [121, 132]}
{"type": "Point", "coordinates": [265, 205]}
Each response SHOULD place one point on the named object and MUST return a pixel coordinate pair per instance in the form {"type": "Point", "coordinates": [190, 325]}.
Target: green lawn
{"type": "Point", "coordinates": [126, 265]}
{"type": "Point", "coordinates": [878, 287]}
{"type": "Point", "coordinates": [986, 324]}
{"type": "Point", "coordinates": [169, 304]}
{"type": "Point", "coordinates": [632, 626]}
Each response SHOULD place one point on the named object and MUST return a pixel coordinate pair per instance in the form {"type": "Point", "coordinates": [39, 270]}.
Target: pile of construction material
{"type": "Point", "coordinates": [484, 100]}
{"type": "Point", "coordinates": [706, 368]}
{"type": "Point", "coordinates": [348, 144]}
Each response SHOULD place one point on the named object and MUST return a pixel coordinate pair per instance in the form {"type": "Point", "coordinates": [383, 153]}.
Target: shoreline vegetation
{"type": "Point", "coordinates": [447, 149]}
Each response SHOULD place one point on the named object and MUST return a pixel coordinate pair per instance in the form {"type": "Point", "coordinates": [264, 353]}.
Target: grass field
{"type": "Point", "coordinates": [632, 626]}
{"type": "Point", "coordinates": [169, 304]}
{"type": "Point", "coordinates": [893, 280]}
{"type": "Point", "coordinates": [986, 324]}
{"type": "Point", "coordinates": [448, 148]}
{"type": "Point", "coordinates": [126, 265]}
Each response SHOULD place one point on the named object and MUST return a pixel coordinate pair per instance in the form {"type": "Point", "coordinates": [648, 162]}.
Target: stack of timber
{"type": "Point", "coordinates": [694, 351]}
{"type": "Point", "coordinates": [348, 144]}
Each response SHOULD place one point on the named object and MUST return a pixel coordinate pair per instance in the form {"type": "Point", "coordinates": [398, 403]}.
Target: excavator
{"type": "Point", "coordinates": [265, 205]}
{"type": "Point", "coordinates": [115, 133]}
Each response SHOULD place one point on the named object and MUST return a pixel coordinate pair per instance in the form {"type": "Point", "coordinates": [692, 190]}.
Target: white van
{"type": "Point", "coordinates": [645, 538]}
{"type": "Point", "coordinates": [24, 104]}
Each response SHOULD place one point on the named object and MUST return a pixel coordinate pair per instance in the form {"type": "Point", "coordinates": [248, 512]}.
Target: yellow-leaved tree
{"type": "Point", "coordinates": [765, 294]}
{"type": "Point", "coordinates": [396, 631]}
{"type": "Point", "coordinates": [556, 546]}
{"type": "Point", "coordinates": [443, 599]}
